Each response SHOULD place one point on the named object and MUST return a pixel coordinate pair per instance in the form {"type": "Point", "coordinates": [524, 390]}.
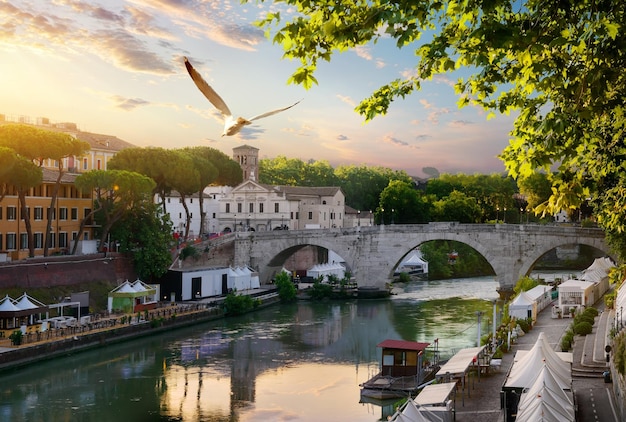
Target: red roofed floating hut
{"type": "Point", "coordinates": [403, 370]}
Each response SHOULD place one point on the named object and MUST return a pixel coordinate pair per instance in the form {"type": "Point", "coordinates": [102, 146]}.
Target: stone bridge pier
{"type": "Point", "coordinates": [372, 253]}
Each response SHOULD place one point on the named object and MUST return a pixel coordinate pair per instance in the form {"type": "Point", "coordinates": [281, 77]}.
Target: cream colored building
{"type": "Point", "coordinates": [257, 207]}
{"type": "Point", "coordinates": [71, 205]}
{"type": "Point", "coordinates": [70, 209]}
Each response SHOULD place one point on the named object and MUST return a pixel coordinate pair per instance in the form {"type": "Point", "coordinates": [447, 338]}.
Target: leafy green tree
{"type": "Point", "coordinates": [363, 185]}
{"type": "Point", "coordinates": [160, 164]}
{"type": "Point", "coordinates": [25, 175]}
{"type": "Point", "coordinates": [319, 173]}
{"type": "Point", "coordinates": [39, 145]}
{"type": "Point", "coordinates": [187, 181]}
{"type": "Point", "coordinates": [116, 193]}
{"type": "Point", "coordinates": [493, 193]}
{"type": "Point", "coordinates": [286, 289]}
{"type": "Point", "coordinates": [467, 263]}
{"type": "Point", "coordinates": [214, 168]}
{"type": "Point", "coordinates": [281, 171]}
{"type": "Point", "coordinates": [8, 158]}
{"type": "Point", "coordinates": [557, 64]}
{"type": "Point", "coordinates": [436, 254]}
{"type": "Point", "coordinates": [524, 284]}
{"type": "Point", "coordinates": [536, 188]}
{"type": "Point", "coordinates": [400, 203]}
{"type": "Point", "coordinates": [146, 232]}
{"type": "Point", "coordinates": [457, 207]}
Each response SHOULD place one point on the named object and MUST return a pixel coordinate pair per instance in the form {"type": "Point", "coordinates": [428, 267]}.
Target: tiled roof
{"type": "Point", "coordinates": [309, 191]}
{"type": "Point", "coordinates": [403, 345]}
{"type": "Point", "coordinates": [97, 141]}
{"type": "Point", "coordinates": [50, 176]}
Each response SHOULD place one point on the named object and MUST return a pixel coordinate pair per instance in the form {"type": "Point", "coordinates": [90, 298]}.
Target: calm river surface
{"type": "Point", "coordinates": [299, 362]}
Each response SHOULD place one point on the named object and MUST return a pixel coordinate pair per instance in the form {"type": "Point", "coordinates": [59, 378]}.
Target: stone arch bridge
{"type": "Point", "coordinates": [371, 253]}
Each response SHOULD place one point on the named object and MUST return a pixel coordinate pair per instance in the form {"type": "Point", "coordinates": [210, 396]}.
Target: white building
{"type": "Point", "coordinates": [357, 218]}
{"type": "Point", "coordinates": [257, 207]}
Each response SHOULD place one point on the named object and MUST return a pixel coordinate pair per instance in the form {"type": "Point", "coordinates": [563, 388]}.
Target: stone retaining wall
{"type": "Point", "coordinates": [27, 354]}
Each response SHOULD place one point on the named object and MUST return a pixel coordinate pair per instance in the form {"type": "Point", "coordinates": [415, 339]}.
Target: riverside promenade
{"type": "Point", "coordinates": [594, 398]}
{"type": "Point", "coordinates": [62, 342]}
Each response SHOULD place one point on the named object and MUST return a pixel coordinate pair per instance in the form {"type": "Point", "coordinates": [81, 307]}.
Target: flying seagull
{"type": "Point", "coordinates": [231, 125]}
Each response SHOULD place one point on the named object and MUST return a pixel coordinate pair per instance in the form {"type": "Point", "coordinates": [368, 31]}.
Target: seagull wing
{"type": "Point", "coordinates": [270, 113]}
{"type": "Point", "coordinates": [206, 89]}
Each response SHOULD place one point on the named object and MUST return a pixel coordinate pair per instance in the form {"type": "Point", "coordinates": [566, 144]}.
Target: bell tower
{"type": "Point", "coordinates": [248, 158]}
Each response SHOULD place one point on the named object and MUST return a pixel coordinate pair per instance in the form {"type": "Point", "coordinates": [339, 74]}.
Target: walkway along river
{"type": "Point", "coordinates": [298, 362]}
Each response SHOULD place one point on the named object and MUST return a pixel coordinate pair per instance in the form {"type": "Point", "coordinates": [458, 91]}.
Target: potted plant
{"type": "Point", "coordinates": [16, 337]}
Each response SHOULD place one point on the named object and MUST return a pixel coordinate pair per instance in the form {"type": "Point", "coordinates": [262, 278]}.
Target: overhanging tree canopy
{"type": "Point", "coordinates": [558, 64]}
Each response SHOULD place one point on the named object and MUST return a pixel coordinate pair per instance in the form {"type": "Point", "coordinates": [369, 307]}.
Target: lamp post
{"type": "Point", "coordinates": [521, 212]}
{"type": "Point", "coordinates": [382, 216]}
{"type": "Point", "coordinates": [504, 216]}
{"type": "Point", "coordinates": [479, 314]}
{"type": "Point", "coordinates": [392, 211]}
{"type": "Point", "coordinates": [497, 214]}
{"type": "Point", "coordinates": [494, 343]}
{"type": "Point", "coordinates": [358, 213]}
{"type": "Point", "coordinates": [370, 218]}
{"type": "Point", "coordinates": [235, 228]}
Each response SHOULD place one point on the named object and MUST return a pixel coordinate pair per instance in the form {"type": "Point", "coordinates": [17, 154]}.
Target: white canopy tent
{"type": "Point", "coordinates": [235, 279]}
{"type": "Point", "coordinates": [327, 269]}
{"type": "Point", "coordinates": [523, 306]}
{"type": "Point", "coordinates": [27, 303]}
{"type": "Point", "coordinates": [525, 368]}
{"type": "Point", "coordinates": [542, 295]}
{"type": "Point", "coordinates": [411, 412]}
{"type": "Point", "coordinates": [435, 394]}
{"type": "Point", "coordinates": [413, 262]}
{"type": "Point", "coordinates": [458, 364]}
{"type": "Point", "coordinates": [545, 401]}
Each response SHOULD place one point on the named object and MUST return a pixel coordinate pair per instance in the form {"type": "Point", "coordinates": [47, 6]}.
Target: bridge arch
{"type": "Point", "coordinates": [373, 252]}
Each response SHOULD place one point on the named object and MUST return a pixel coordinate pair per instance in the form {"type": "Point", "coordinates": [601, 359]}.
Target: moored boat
{"type": "Point", "coordinates": [403, 370]}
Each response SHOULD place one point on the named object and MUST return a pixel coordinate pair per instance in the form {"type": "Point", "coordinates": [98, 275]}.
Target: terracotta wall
{"type": "Point", "coordinates": [66, 270]}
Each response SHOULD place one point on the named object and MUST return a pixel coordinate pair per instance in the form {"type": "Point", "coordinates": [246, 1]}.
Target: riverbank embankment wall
{"type": "Point", "coordinates": [66, 270]}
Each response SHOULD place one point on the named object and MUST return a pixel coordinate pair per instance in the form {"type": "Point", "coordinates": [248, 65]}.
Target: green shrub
{"type": "Point", "coordinates": [16, 337]}
{"type": "Point", "coordinates": [404, 277]}
{"type": "Point", "coordinates": [583, 317]}
{"type": "Point", "coordinates": [583, 328]}
{"type": "Point", "coordinates": [286, 289]}
{"type": "Point", "coordinates": [320, 291]}
{"type": "Point", "coordinates": [189, 252]}
{"type": "Point", "coordinates": [567, 340]}
{"type": "Point", "coordinates": [235, 304]}
{"type": "Point", "coordinates": [609, 300]}
{"type": "Point", "coordinates": [591, 311]}
{"type": "Point", "coordinates": [524, 324]}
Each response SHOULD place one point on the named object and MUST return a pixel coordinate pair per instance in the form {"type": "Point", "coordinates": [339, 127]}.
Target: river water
{"type": "Point", "coordinates": [297, 362]}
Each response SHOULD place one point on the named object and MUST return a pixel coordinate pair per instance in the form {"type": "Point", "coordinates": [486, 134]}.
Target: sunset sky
{"type": "Point", "coordinates": [116, 68]}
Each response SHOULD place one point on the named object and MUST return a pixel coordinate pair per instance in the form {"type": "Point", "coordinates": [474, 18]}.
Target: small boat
{"type": "Point", "coordinates": [403, 371]}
